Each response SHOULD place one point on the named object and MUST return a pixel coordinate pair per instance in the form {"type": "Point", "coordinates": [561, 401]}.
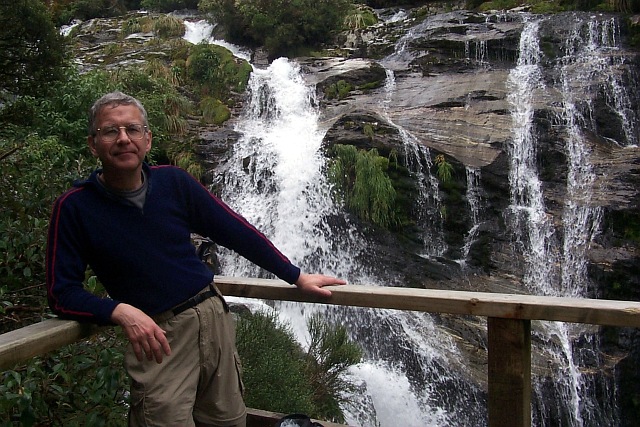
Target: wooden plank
{"type": "Point", "coordinates": [33, 340]}
{"type": "Point", "coordinates": [508, 306]}
{"type": "Point", "coordinates": [509, 372]}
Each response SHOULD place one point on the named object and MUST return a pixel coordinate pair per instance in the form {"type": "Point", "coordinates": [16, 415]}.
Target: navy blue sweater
{"type": "Point", "coordinates": [143, 257]}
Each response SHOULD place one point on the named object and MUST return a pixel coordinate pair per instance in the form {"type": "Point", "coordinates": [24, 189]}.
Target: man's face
{"type": "Point", "coordinates": [122, 153]}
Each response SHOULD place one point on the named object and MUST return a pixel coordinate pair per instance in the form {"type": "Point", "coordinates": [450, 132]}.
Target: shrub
{"type": "Point", "coordinates": [216, 72]}
{"type": "Point", "coordinates": [169, 5]}
{"type": "Point", "coordinates": [167, 26]}
{"type": "Point", "coordinates": [279, 376]}
{"type": "Point", "coordinates": [360, 17]}
{"type": "Point", "coordinates": [444, 168]}
{"type": "Point", "coordinates": [338, 90]}
{"type": "Point", "coordinates": [214, 111]}
{"type": "Point", "coordinates": [273, 365]}
{"type": "Point", "coordinates": [360, 178]}
{"type": "Point", "coordinates": [46, 390]}
{"type": "Point", "coordinates": [282, 26]}
{"type": "Point", "coordinates": [330, 354]}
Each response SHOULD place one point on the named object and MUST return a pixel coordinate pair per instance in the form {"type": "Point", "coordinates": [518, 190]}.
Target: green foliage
{"type": "Point", "coordinates": [330, 354]}
{"type": "Point", "coordinates": [42, 151]}
{"type": "Point", "coordinates": [62, 113]}
{"type": "Point", "coordinates": [168, 5]}
{"type": "Point", "coordinates": [35, 171]}
{"type": "Point", "coordinates": [32, 50]}
{"type": "Point", "coordinates": [279, 376]}
{"type": "Point", "coordinates": [338, 90]}
{"type": "Point", "coordinates": [78, 385]}
{"type": "Point", "coordinates": [360, 177]}
{"type": "Point", "coordinates": [273, 366]}
{"type": "Point", "coordinates": [131, 26]}
{"type": "Point", "coordinates": [444, 169]}
{"type": "Point", "coordinates": [214, 111]}
{"type": "Point", "coordinates": [369, 132]}
{"type": "Point", "coordinates": [166, 26]}
{"type": "Point", "coordinates": [360, 17]}
{"type": "Point", "coordinates": [216, 72]}
{"type": "Point", "coordinates": [281, 26]}
{"type": "Point", "coordinates": [65, 12]}
{"type": "Point", "coordinates": [498, 5]}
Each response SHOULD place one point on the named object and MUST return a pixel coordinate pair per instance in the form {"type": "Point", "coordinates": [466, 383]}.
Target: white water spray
{"type": "Point", "coordinates": [557, 261]}
{"type": "Point", "coordinates": [275, 179]}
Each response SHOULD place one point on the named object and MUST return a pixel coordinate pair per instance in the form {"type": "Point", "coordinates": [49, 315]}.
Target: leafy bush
{"type": "Point", "coordinates": [216, 71]}
{"type": "Point", "coordinates": [360, 178]}
{"type": "Point", "coordinates": [83, 384]}
{"type": "Point", "coordinates": [168, 26]}
{"type": "Point", "coordinates": [273, 365]}
{"type": "Point", "coordinates": [330, 354]}
{"type": "Point", "coordinates": [42, 151]}
{"type": "Point", "coordinates": [444, 168]}
{"type": "Point", "coordinates": [65, 12]}
{"type": "Point", "coordinates": [281, 26]}
{"type": "Point", "coordinates": [338, 90]}
{"type": "Point", "coordinates": [360, 17]}
{"type": "Point", "coordinates": [32, 52]}
{"type": "Point", "coordinates": [35, 172]}
{"type": "Point", "coordinates": [214, 111]}
{"type": "Point", "coordinates": [279, 376]}
{"type": "Point", "coordinates": [168, 5]}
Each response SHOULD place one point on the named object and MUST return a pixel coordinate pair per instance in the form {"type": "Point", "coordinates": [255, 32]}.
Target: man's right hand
{"type": "Point", "coordinates": [146, 337]}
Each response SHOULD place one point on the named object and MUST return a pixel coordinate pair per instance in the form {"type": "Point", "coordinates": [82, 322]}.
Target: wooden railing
{"type": "Point", "coordinates": [508, 321]}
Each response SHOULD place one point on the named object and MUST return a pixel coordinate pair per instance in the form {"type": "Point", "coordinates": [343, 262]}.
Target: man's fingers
{"type": "Point", "coordinates": [164, 343]}
{"type": "Point", "coordinates": [137, 350]}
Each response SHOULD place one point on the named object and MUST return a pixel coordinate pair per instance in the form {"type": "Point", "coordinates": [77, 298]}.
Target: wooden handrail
{"type": "Point", "coordinates": [507, 306]}
{"type": "Point", "coordinates": [508, 315]}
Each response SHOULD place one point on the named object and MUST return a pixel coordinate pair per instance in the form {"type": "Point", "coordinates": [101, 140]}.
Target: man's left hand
{"type": "Point", "coordinates": [313, 284]}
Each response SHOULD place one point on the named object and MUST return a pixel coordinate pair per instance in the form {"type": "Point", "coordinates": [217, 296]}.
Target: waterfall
{"type": "Point", "coordinates": [528, 217]}
{"type": "Point", "coordinates": [555, 254]}
{"type": "Point", "coordinates": [275, 179]}
{"type": "Point", "coordinates": [201, 30]}
{"type": "Point", "coordinates": [413, 373]}
{"type": "Point", "coordinates": [428, 209]}
{"type": "Point", "coordinates": [530, 222]}
{"type": "Point", "coordinates": [474, 202]}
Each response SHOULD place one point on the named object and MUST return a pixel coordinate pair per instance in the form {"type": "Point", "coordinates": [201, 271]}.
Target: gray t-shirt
{"type": "Point", "coordinates": [135, 197]}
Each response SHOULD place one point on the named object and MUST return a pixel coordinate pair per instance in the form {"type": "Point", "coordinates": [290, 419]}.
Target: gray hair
{"type": "Point", "coordinates": [113, 99]}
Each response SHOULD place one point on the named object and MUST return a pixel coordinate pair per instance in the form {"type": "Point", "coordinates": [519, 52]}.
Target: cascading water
{"type": "Point", "coordinates": [413, 374]}
{"type": "Point", "coordinates": [428, 209]}
{"type": "Point", "coordinates": [474, 202]}
{"type": "Point", "coordinates": [275, 180]}
{"type": "Point", "coordinates": [556, 257]}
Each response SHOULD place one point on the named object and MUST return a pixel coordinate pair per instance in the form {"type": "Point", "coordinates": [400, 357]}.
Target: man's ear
{"type": "Point", "coordinates": [149, 138]}
{"type": "Point", "coordinates": [91, 142]}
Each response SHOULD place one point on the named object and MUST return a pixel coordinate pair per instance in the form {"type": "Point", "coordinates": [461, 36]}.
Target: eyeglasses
{"type": "Point", "coordinates": [110, 133]}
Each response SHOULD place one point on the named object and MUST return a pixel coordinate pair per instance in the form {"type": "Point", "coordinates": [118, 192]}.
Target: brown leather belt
{"type": "Point", "coordinates": [201, 296]}
{"type": "Point", "coordinates": [194, 300]}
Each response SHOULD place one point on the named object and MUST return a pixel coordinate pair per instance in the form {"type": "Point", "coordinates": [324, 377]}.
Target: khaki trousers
{"type": "Point", "coordinates": [200, 382]}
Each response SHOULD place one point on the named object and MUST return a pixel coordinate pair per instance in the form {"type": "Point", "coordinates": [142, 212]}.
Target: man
{"type": "Point", "coordinates": [131, 223]}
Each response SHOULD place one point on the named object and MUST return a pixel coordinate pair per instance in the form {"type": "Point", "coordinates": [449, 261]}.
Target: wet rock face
{"type": "Point", "coordinates": [449, 86]}
{"type": "Point", "coordinates": [449, 76]}
{"type": "Point", "coordinates": [444, 80]}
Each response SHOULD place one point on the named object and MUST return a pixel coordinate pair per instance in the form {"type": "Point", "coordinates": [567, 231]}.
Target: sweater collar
{"type": "Point", "coordinates": [92, 181]}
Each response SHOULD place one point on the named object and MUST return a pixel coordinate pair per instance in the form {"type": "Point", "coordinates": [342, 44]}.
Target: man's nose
{"type": "Point", "coordinates": [122, 134]}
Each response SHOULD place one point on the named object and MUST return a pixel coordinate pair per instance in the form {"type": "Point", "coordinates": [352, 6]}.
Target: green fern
{"type": "Point", "coordinates": [360, 177]}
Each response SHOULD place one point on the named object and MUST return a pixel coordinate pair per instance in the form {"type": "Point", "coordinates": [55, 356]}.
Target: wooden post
{"type": "Point", "coordinates": [509, 372]}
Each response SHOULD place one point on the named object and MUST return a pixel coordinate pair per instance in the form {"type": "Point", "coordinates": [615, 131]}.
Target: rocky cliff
{"type": "Point", "coordinates": [440, 82]}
